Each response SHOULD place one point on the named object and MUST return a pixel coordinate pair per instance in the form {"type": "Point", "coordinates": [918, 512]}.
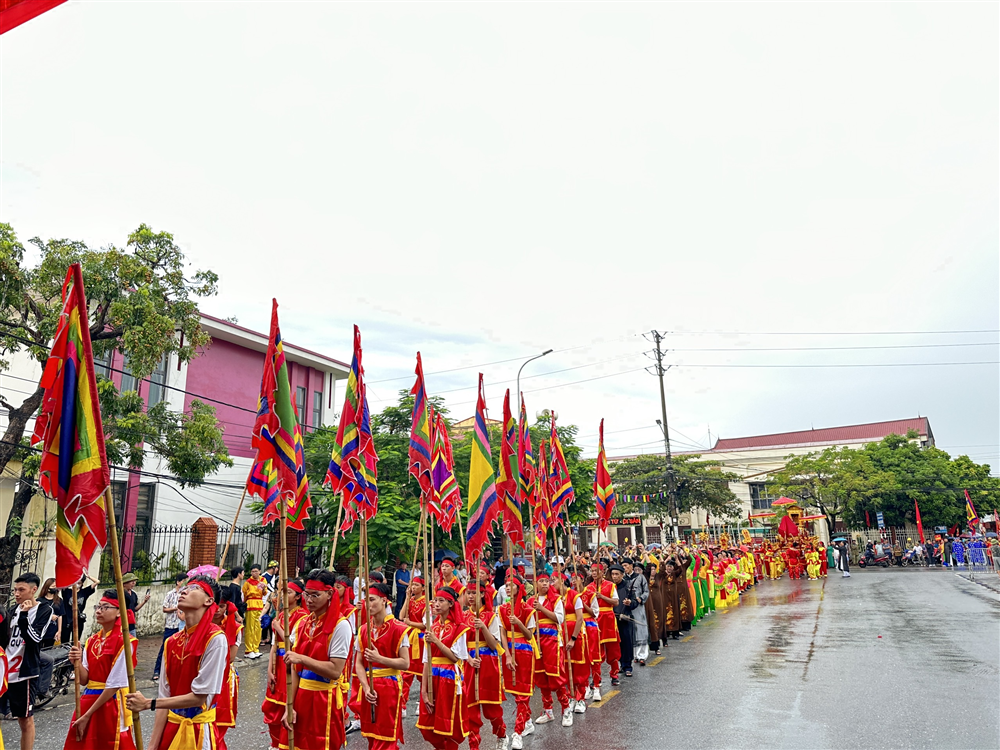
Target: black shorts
{"type": "Point", "coordinates": [19, 698]}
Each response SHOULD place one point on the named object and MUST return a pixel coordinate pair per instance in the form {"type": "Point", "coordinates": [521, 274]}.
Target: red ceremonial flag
{"type": "Point", "coordinates": [868, 521]}
{"type": "Point", "coordinates": [510, 503]}
{"type": "Point", "coordinates": [604, 491]}
{"type": "Point", "coordinates": [74, 468]}
{"type": "Point", "coordinates": [420, 435]}
{"type": "Point", "coordinates": [15, 12]}
{"type": "Point", "coordinates": [920, 526]}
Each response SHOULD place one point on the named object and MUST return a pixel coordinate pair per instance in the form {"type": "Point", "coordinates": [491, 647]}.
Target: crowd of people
{"type": "Point", "coordinates": [565, 629]}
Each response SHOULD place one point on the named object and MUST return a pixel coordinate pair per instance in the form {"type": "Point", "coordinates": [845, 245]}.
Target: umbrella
{"type": "Point", "coordinates": [441, 554]}
{"type": "Point", "coordinates": [783, 501]}
{"type": "Point", "coordinates": [812, 518]}
{"type": "Point", "coordinates": [991, 534]}
{"type": "Point", "coordinates": [206, 570]}
{"type": "Point", "coordinates": [654, 545]}
{"type": "Point", "coordinates": [607, 544]}
{"type": "Point", "coordinates": [840, 539]}
{"type": "Point", "coordinates": [518, 562]}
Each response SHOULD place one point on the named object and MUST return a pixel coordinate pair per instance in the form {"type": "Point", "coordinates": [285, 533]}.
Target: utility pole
{"type": "Point", "coordinates": [659, 370]}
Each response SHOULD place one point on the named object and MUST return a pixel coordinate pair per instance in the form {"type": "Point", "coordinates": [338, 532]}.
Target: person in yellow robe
{"type": "Point", "coordinates": [812, 563]}
{"type": "Point", "coordinates": [254, 589]}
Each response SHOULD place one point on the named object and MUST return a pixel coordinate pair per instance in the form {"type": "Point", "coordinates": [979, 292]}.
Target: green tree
{"type": "Point", "coordinates": [142, 301]}
{"type": "Point", "coordinates": [699, 484]}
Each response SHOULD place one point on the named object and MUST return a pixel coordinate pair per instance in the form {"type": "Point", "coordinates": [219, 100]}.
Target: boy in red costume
{"type": "Point", "coordinates": [276, 694]}
{"type": "Point", "coordinates": [603, 595]}
{"type": "Point", "coordinates": [442, 709]}
{"type": "Point", "coordinates": [383, 652]}
{"type": "Point", "coordinates": [319, 648]}
{"type": "Point", "coordinates": [575, 638]}
{"type": "Point", "coordinates": [518, 619]}
{"type": "Point", "coordinates": [591, 636]}
{"type": "Point", "coordinates": [104, 723]}
{"type": "Point", "coordinates": [194, 666]}
{"type": "Point", "coordinates": [415, 616]}
{"type": "Point", "coordinates": [228, 700]}
{"type": "Point", "coordinates": [550, 667]}
{"type": "Point", "coordinates": [485, 686]}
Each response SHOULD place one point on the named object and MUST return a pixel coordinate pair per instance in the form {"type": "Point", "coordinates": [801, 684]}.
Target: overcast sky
{"type": "Point", "coordinates": [486, 181]}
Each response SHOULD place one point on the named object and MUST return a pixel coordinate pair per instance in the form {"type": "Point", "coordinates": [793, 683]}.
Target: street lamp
{"type": "Point", "coordinates": [517, 483]}
{"type": "Point", "coordinates": [537, 356]}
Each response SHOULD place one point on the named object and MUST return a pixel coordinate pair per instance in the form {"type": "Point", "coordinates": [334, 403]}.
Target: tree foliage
{"type": "Point", "coordinates": [142, 302]}
{"type": "Point", "coordinates": [890, 476]}
{"type": "Point", "coordinates": [699, 484]}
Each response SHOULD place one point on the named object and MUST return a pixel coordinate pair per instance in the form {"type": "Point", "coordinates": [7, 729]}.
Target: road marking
{"type": "Point", "coordinates": [655, 661]}
{"type": "Point", "coordinates": [604, 699]}
{"type": "Point", "coordinates": [688, 638]}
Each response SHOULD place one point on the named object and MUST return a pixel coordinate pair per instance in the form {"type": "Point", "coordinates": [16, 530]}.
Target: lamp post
{"type": "Point", "coordinates": [517, 484]}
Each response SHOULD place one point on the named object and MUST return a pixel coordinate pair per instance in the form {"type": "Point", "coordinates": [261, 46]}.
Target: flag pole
{"type": "Point", "coordinates": [366, 562]}
{"type": "Point", "coordinates": [428, 617]}
{"type": "Point", "coordinates": [572, 562]}
{"type": "Point", "coordinates": [76, 642]}
{"type": "Point", "coordinates": [232, 528]}
{"type": "Point", "coordinates": [122, 609]}
{"type": "Point", "coordinates": [510, 558]}
{"type": "Point", "coordinates": [404, 610]}
{"type": "Point", "coordinates": [336, 533]}
{"type": "Point", "coordinates": [283, 578]}
{"type": "Point", "coordinates": [478, 614]}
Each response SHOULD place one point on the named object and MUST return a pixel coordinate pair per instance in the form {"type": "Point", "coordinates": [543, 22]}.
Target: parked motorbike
{"type": "Point", "coordinates": [868, 560]}
{"type": "Point", "coordinates": [62, 675]}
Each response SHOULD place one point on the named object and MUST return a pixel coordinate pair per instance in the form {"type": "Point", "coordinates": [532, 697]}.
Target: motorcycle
{"type": "Point", "coordinates": [910, 559]}
{"type": "Point", "coordinates": [62, 676]}
{"type": "Point", "coordinates": [872, 558]}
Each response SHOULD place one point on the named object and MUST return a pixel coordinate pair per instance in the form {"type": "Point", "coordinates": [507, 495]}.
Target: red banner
{"type": "Point", "coordinates": [15, 12]}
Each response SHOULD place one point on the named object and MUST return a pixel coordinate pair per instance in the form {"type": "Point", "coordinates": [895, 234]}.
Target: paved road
{"type": "Point", "coordinates": [886, 659]}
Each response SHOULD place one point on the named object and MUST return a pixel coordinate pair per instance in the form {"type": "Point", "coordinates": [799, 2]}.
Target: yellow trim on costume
{"type": "Point", "coordinates": [186, 736]}
{"type": "Point", "coordinates": [385, 672]}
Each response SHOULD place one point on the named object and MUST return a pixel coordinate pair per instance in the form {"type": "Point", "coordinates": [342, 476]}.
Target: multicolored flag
{"type": "Point", "coordinates": [541, 513]}
{"type": "Point", "coordinates": [560, 485]}
{"type": "Point", "coordinates": [970, 512]}
{"type": "Point", "coordinates": [353, 462]}
{"type": "Point", "coordinates": [74, 470]}
{"type": "Point", "coordinates": [525, 460]}
{"type": "Point", "coordinates": [446, 498]}
{"type": "Point", "coordinates": [483, 505]}
{"type": "Point", "coordinates": [513, 523]}
{"type": "Point", "coordinates": [277, 439]}
{"type": "Point", "coordinates": [420, 435]}
{"type": "Point", "coordinates": [604, 491]}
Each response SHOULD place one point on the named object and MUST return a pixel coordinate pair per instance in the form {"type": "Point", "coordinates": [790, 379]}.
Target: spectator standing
{"type": "Point", "coordinates": [270, 601]}
{"type": "Point", "coordinates": [844, 559]}
{"type": "Point", "coordinates": [132, 602]}
{"type": "Point", "coordinates": [171, 618]}
{"type": "Point", "coordinates": [21, 638]}
{"type": "Point", "coordinates": [83, 593]}
{"type": "Point", "coordinates": [401, 581]}
{"type": "Point", "coordinates": [53, 633]}
{"type": "Point", "coordinates": [236, 590]}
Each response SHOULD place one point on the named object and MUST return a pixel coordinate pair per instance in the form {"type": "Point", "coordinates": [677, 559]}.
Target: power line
{"type": "Point", "coordinates": [832, 333]}
{"type": "Point", "coordinates": [832, 348]}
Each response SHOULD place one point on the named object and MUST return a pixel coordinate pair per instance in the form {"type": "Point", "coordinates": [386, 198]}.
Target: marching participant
{"type": "Point", "coordinates": [277, 686]}
{"type": "Point", "coordinates": [254, 589]}
{"type": "Point", "coordinates": [442, 713]}
{"type": "Point", "coordinates": [518, 619]}
{"type": "Point", "coordinates": [320, 645]}
{"type": "Point", "coordinates": [602, 593]}
{"type": "Point", "coordinates": [228, 700]}
{"type": "Point", "coordinates": [415, 617]}
{"type": "Point", "coordinates": [194, 665]}
{"type": "Point", "coordinates": [486, 688]}
{"type": "Point", "coordinates": [550, 668]}
{"type": "Point", "coordinates": [3, 678]}
{"type": "Point", "coordinates": [592, 639]}
{"type": "Point", "coordinates": [384, 647]}
{"type": "Point", "coordinates": [576, 643]}
{"type": "Point", "coordinates": [104, 723]}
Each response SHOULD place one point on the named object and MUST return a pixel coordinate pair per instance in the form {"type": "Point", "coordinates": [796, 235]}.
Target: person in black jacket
{"type": "Point", "coordinates": [21, 637]}
{"type": "Point", "coordinates": [83, 593]}
{"type": "Point", "coordinates": [624, 615]}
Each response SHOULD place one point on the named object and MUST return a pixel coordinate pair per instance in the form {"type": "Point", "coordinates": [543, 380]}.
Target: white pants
{"type": "Point", "coordinates": [642, 652]}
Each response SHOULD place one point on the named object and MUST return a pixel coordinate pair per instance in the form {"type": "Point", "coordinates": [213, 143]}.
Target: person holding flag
{"type": "Point", "coordinates": [486, 692]}
{"type": "Point", "coordinates": [276, 695]}
{"type": "Point", "coordinates": [442, 720]}
{"type": "Point", "coordinates": [550, 666]}
{"type": "Point", "coordinates": [602, 598]}
{"type": "Point", "coordinates": [415, 616]}
{"type": "Point", "coordinates": [104, 723]}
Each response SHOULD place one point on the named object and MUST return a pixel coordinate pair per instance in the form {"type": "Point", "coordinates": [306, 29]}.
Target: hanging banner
{"type": "Point", "coordinates": [623, 521]}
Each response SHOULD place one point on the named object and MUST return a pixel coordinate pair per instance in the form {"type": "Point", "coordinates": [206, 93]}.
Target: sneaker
{"type": "Point", "coordinates": [567, 720]}
{"type": "Point", "coordinates": [597, 694]}
{"type": "Point", "coordinates": [529, 728]}
{"type": "Point", "coordinates": [546, 717]}
{"type": "Point", "coordinates": [354, 726]}
{"type": "Point", "coordinates": [589, 694]}
{"type": "Point", "coordinates": [581, 707]}
{"type": "Point", "coordinates": [404, 713]}
{"type": "Point", "coordinates": [503, 743]}
{"type": "Point", "coordinates": [846, 575]}
{"type": "Point", "coordinates": [516, 743]}
{"type": "Point", "coordinates": [615, 682]}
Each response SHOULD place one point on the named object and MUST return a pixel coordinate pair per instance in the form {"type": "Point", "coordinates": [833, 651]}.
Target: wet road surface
{"type": "Point", "coordinates": [886, 659]}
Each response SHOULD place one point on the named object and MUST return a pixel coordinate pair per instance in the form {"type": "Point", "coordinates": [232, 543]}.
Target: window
{"type": "Point", "coordinates": [300, 402]}
{"type": "Point", "coordinates": [102, 364]}
{"type": "Point", "coordinates": [129, 381]}
{"type": "Point", "coordinates": [653, 535]}
{"type": "Point", "coordinates": [157, 381]}
{"type": "Point", "coordinates": [759, 497]}
{"type": "Point", "coordinates": [145, 503]}
{"type": "Point", "coordinates": [317, 420]}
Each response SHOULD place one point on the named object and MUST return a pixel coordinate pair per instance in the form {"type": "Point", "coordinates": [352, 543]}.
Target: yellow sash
{"type": "Point", "coordinates": [186, 737]}
{"type": "Point", "coordinates": [119, 698]}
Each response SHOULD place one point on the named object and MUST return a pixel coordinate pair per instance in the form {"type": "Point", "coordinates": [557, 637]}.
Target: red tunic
{"type": "Point", "coordinates": [580, 651]}
{"type": "Point", "coordinates": [607, 624]}
{"type": "Point", "coordinates": [227, 704]}
{"type": "Point", "coordinates": [416, 613]}
{"type": "Point", "coordinates": [448, 717]}
{"type": "Point", "coordinates": [549, 661]}
{"type": "Point", "coordinates": [104, 731]}
{"type": "Point", "coordinates": [387, 684]}
{"type": "Point", "coordinates": [181, 669]}
{"type": "Point", "coordinates": [490, 688]}
{"type": "Point", "coordinates": [319, 702]}
{"type": "Point", "coordinates": [273, 707]}
{"type": "Point", "coordinates": [522, 682]}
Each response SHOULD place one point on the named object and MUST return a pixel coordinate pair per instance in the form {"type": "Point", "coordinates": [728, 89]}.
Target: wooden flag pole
{"type": "Point", "coordinates": [513, 651]}
{"type": "Point", "coordinates": [363, 591]}
{"type": "Point", "coordinates": [478, 614]}
{"type": "Point", "coordinates": [283, 578]}
{"type": "Point", "coordinates": [428, 616]}
{"type": "Point", "coordinates": [122, 608]}
{"type": "Point", "coordinates": [569, 653]}
{"type": "Point", "coordinates": [336, 533]}
{"type": "Point", "coordinates": [232, 528]}
{"type": "Point", "coordinates": [76, 642]}
{"type": "Point", "coordinates": [405, 609]}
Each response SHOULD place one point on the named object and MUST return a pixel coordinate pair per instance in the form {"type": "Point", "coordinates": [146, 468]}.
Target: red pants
{"type": "Point", "coordinates": [547, 683]}
{"type": "Point", "coordinates": [437, 741]}
{"type": "Point", "coordinates": [491, 711]}
{"type": "Point", "coordinates": [407, 682]}
{"type": "Point", "coordinates": [523, 705]}
{"type": "Point", "coordinates": [612, 653]}
{"type": "Point", "coordinates": [581, 675]}
{"type": "Point", "coordinates": [374, 744]}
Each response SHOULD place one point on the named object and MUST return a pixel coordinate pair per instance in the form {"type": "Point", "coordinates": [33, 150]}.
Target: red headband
{"type": "Point", "coordinates": [204, 587]}
{"type": "Point", "coordinates": [447, 561]}
{"type": "Point", "coordinates": [315, 585]}
{"type": "Point", "coordinates": [446, 592]}
{"type": "Point", "coordinates": [543, 576]}
{"type": "Point", "coordinates": [418, 580]}
{"type": "Point", "coordinates": [372, 590]}
{"type": "Point", "coordinates": [294, 586]}
{"type": "Point", "coordinates": [112, 602]}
